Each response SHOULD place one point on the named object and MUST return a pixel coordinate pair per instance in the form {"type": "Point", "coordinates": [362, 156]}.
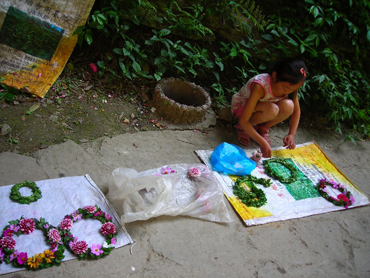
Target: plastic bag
{"type": "Point", "coordinates": [231, 159]}
{"type": "Point", "coordinates": [180, 189]}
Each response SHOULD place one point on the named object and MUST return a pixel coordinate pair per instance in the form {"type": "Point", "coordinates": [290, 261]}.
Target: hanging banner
{"type": "Point", "coordinates": [36, 40]}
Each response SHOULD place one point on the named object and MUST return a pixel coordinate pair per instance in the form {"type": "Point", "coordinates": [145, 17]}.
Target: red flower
{"type": "Point", "coordinates": [27, 225]}
{"type": "Point", "coordinates": [66, 224]}
{"type": "Point", "coordinates": [79, 247]}
{"type": "Point", "coordinates": [93, 67]}
{"type": "Point", "coordinates": [7, 242]}
{"type": "Point", "coordinates": [54, 235]}
{"type": "Point", "coordinates": [343, 197]}
{"type": "Point", "coordinates": [322, 185]}
{"type": "Point", "coordinates": [90, 209]}
{"type": "Point", "coordinates": [108, 228]}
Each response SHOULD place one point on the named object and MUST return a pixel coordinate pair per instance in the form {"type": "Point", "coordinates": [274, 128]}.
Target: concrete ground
{"type": "Point", "coordinates": [334, 244]}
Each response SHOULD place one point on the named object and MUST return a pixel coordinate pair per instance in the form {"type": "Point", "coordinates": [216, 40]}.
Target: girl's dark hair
{"type": "Point", "coordinates": [292, 70]}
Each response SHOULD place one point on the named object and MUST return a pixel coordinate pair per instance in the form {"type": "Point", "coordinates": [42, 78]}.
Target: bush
{"type": "Point", "coordinates": [331, 36]}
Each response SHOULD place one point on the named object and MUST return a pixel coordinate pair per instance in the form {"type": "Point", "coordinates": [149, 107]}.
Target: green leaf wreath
{"type": "Point", "coordinates": [272, 173]}
{"type": "Point", "coordinates": [16, 196]}
{"type": "Point", "coordinates": [248, 193]}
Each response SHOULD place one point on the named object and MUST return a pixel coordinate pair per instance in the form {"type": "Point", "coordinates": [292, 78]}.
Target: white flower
{"type": "Point", "coordinates": [106, 245]}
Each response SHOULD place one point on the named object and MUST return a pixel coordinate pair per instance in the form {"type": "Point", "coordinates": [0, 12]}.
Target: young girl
{"type": "Point", "coordinates": [268, 99]}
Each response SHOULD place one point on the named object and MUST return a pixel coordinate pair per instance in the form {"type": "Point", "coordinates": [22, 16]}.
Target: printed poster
{"type": "Point", "coordinates": [295, 200]}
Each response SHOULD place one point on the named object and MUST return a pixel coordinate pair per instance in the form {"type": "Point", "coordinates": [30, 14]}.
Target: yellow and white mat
{"type": "Point", "coordinates": [284, 201]}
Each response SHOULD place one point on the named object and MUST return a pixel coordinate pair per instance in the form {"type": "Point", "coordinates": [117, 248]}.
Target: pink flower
{"type": "Point", "coordinates": [1, 255]}
{"type": "Point", "coordinates": [96, 249]}
{"type": "Point", "coordinates": [93, 67]}
{"type": "Point", "coordinates": [54, 235]}
{"type": "Point", "coordinates": [7, 242]}
{"type": "Point", "coordinates": [257, 156]}
{"type": "Point", "coordinates": [79, 247]}
{"type": "Point", "coordinates": [27, 225]}
{"type": "Point", "coordinates": [108, 217]}
{"type": "Point", "coordinates": [76, 216]}
{"type": "Point", "coordinates": [352, 200]}
{"type": "Point", "coordinates": [22, 258]}
{"type": "Point", "coordinates": [113, 241]}
{"type": "Point", "coordinates": [194, 172]}
{"type": "Point", "coordinates": [54, 246]}
{"type": "Point", "coordinates": [98, 213]}
{"type": "Point", "coordinates": [108, 228]}
{"type": "Point", "coordinates": [167, 170]}
{"type": "Point", "coordinates": [8, 232]}
{"type": "Point", "coordinates": [66, 224]}
{"type": "Point", "coordinates": [14, 255]}
{"type": "Point", "coordinates": [14, 228]}
{"type": "Point", "coordinates": [90, 209]}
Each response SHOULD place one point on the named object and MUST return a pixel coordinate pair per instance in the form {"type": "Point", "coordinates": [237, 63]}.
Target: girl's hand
{"type": "Point", "coordinates": [266, 149]}
{"type": "Point", "coordinates": [289, 142]}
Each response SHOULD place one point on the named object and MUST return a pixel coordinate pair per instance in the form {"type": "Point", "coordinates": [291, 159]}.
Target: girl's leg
{"type": "Point", "coordinates": [269, 114]}
{"type": "Point", "coordinates": [264, 112]}
{"type": "Point", "coordinates": [286, 107]}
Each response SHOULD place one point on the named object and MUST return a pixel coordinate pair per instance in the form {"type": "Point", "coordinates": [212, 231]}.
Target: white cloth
{"type": "Point", "coordinates": [59, 197]}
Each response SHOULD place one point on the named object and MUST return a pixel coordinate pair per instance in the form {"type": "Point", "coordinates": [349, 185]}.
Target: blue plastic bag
{"type": "Point", "coordinates": [231, 159]}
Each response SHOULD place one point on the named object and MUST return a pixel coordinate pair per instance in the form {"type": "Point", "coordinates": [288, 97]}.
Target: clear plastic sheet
{"type": "Point", "coordinates": [167, 190]}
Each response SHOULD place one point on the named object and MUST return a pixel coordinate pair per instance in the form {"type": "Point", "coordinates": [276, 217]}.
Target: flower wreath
{"type": "Point", "coordinates": [80, 248]}
{"type": "Point", "coordinates": [344, 199]}
{"type": "Point", "coordinates": [291, 167]}
{"type": "Point", "coordinates": [17, 197]}
{"type": "Point", "coordinates": [248, 193]}
{"type": "Point", "coordinates": [48, 258]}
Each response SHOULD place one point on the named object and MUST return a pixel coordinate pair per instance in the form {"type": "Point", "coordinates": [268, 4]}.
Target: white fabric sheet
{"type": "Point", "coordinates": [59, 197]}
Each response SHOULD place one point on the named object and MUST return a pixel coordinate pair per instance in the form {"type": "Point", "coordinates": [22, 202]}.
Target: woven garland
{"type": "Point", "coordinates": [248, 193]}
{"type": "Point", "coordinates": [344, 199]}
{"type": "Point", "coordinates": [80, 247]}
{"type": "Point", "coordinates": [16, 196]}
{"type": "Point", "coordinates": [284, 162]}
{"type": "Point", "coordinates": [50, 257]}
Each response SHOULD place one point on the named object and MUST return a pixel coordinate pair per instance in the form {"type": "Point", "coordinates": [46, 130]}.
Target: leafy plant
{"type": "Point", "coordinates": [331, 36]}
{"type": "Point", "coordinates": [8, 93]}
{"type": "Point", "coordinates": [328, 37]}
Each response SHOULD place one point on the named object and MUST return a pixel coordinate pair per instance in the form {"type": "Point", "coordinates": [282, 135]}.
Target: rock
{"type": "Point", "coordinates": [5, 129]}
{"type": "Point", "coordinates": [53, 118]}
{"type": "Point", "coordinates": [225, 114]}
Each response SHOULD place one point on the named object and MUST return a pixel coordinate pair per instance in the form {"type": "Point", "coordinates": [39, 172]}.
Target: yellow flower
{"type": "Point", "coordinates": [48, 255]}
{"type": "Point", "coordinates": [34, 261]}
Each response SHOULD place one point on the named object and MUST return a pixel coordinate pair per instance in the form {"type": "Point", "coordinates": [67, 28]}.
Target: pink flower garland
{"type": "Point", "coordinates": [344, 199]}
{"type": "Point", "coordinates": [27, 226]}
{"type": "Point", "coordinates": [81, 248]}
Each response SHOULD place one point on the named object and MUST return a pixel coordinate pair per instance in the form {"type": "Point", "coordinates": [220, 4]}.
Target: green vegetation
{"type": "Point", "coordinates": [221, 44]}
{"type": "Point", "coordinates": [331, 36]}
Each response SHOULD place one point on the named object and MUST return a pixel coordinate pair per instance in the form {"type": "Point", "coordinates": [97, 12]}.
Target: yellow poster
{"type": "Point", "coordinates": [36, 40]}
{"type": "Point", "coordinates": [294, 200]}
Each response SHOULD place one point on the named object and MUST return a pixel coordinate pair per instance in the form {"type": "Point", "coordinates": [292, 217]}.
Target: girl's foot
{"type": "Point", "coordinates": [242, 136]}
{"type": "Point", "coordinates": [264, 132]}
